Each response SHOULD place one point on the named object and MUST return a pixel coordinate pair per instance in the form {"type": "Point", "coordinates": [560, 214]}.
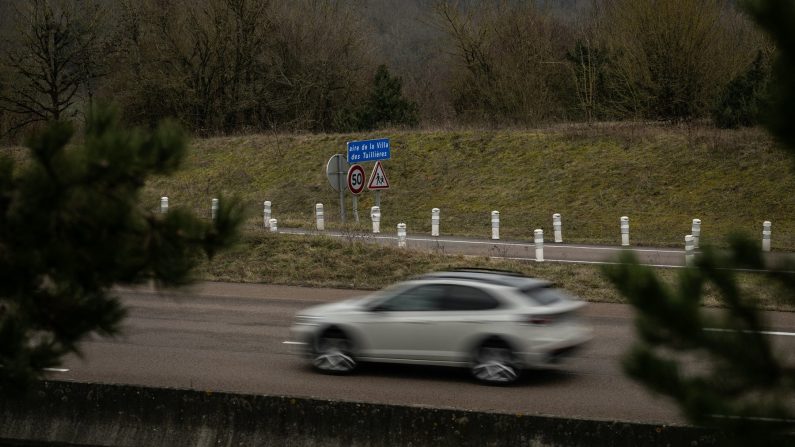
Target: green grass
{"type": "Point", "coordinates": [322, 261]}
{"type": "Point", "coordinates": [661, 177]}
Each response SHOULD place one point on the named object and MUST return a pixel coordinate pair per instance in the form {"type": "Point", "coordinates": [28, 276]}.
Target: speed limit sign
{"type": "Point", "coordinates": [356, 179]}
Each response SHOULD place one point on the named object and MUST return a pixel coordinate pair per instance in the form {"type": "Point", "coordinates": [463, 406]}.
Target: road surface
{"type": "Point", "coordinates": [524, 250]}
{"type": "Point", "coordinates": [229, 337]}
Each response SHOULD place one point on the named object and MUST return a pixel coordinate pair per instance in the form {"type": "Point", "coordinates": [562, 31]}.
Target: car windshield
{"type": "Point", "coordinates": [546, 295]}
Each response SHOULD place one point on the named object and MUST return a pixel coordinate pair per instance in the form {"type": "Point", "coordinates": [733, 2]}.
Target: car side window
{"type": "Point", "coordinates": [421, 298]}
{"type": "Point", "coordinates": [468, 298]}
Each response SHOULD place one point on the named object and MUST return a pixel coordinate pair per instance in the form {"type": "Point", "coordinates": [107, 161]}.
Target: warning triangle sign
{"type": "Point", "coordinates": [378, 178]}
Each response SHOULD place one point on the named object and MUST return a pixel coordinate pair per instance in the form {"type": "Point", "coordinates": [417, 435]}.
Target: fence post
{"type": "Point", "coordinates": [696, 231]}
{"type": "Point", "coordinates": [689, 249]}
{"type": "Point", "coordinates": [214, 209]}
{"type": "Point", "coordinates": [375, 216]}
{"type": "Point", "coordinates": [401, 232]}
{"type": "Point", "coordinates": [164, 205]}
{"type": "Point", "coordinates": [435, 222]}
{"type": "Point", "coordinates": [557, 226]}
{"type": "Point", "coordinates": [539, 241]}
{"type": "Point", "coordinates": [495, 224]}
{"type": "Point", "coordinates": [767, 231]}
{"type": "Point", "coordinates": [266, 212]}
{"type": "Point", "coordinates": [273, 224]}
{"type": "Point", "coordinates": [624, 231]}
{"type": "Point", "coordinates": [320, 216]}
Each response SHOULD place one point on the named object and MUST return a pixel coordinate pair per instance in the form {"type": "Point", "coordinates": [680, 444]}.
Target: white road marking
{"type": "Point", "coordinates": [507, 244]}
{"type": "Point", "coordinates": [783, 334]}
{"type": "Point", "coordinates": [293, 343]}
{"type": "Point", "coordinates": [58, 370]}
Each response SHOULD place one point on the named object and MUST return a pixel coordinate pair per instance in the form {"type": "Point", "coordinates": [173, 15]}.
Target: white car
{"type": "Point", "coordinates": [495, 323]}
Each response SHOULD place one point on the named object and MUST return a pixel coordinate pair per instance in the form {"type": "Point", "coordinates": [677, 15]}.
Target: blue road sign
{"type": "Point", "coordinates": [368, 150]}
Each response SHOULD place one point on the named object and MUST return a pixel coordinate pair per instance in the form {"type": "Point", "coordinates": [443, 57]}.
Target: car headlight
{"type": "Point", "coordinates": [309, 320]}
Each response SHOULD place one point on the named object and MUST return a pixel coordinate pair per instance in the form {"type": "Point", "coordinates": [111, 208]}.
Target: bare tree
{"type": "Point", "coordinates": [52, 53]}
{"type": "Point", "coordinates": [512, 61]}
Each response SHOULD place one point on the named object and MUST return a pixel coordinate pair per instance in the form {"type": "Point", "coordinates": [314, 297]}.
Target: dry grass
{"type": "Point", "coordinates": [322, 261]}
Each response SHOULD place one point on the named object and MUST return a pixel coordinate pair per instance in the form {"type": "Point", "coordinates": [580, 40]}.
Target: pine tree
{"type": "Point", "coordinates": [386, 105]}
{"type": "Point", "coordinates": [72, 227]}
{"type": "Point", "coordinates": [745, 97]}
{"type": "Point", "coordinates": [717, 364]}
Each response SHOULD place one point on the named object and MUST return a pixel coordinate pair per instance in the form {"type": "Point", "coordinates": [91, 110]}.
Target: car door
{"type": "Point", "coordinates": [402, 326]}
{"type": "Point", "coordinates": [467, 312]}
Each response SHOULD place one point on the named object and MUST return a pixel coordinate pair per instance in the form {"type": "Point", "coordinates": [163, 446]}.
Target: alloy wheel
{"type": "Point", "coordinates": [495, 365]}
{"type": "Point", "coordinates": [333, 355]}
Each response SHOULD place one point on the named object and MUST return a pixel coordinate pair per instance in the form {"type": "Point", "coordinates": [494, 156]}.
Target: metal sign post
{"type": "Point", "coordinates": [336, 172]}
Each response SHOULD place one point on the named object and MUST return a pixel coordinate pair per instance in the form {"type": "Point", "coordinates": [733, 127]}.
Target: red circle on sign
{"type": "Point", "coordinates": [356, 179]}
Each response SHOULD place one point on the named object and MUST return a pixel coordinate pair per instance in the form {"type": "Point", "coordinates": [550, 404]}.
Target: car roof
{"type": "Point", "coordinates": [496, 277]}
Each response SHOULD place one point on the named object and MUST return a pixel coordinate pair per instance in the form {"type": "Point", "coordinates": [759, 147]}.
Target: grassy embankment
{"type": "Point", "coordinates": [660, 177]}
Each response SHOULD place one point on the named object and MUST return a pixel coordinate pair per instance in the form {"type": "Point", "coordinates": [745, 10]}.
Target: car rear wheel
{"type": "Point", "coordinates": [495, 364]}
{"type": "Point", "coordinates": [333, 353]}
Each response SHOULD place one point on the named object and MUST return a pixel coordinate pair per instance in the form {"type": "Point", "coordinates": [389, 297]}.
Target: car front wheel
{"type": "Point", "coordinates": [333, 353]}
{"type": "Point", "coordinates": [494, 364]}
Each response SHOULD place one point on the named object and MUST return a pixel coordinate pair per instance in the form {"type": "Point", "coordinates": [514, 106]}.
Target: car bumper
{"type": "Point", "coordinates": [552, 353]}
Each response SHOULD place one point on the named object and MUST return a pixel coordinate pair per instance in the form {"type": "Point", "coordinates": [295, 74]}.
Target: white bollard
{"type": "Point", "coordinates": [164, 205]}
{"type": "Point", "coordinates": [401, 232]}
{"type": "Point", "coordinates": [266, 212]}
{"type": "Point", "coordinates": [689, 249]}
{"type": "Point", "coordinates": [624, 231]}
{"type": "Point", "coordinates": [766, 233]}
{"type": "Point", "coordinates": [375, 216]}
{"type": "Point", "coordinates": [495, 224]}
{"type": "Point", "coordinates": [320, 217]}
{"type": "Point", "coordinates": [214, 209]}
{"type": "Point", "coordinates": [273, 224]}
{"type": "Point", "coordinates": [435, 221]}
{"type": "Point", "coordinates": [539, 241]}
{"type": "Point", "coordinates": [695, 230]}
{"type": "Point", "coordinates": [557, 226]}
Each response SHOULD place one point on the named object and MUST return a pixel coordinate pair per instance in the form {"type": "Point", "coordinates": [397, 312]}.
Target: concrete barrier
{"type": "Point", "coordinates": [81, 414]}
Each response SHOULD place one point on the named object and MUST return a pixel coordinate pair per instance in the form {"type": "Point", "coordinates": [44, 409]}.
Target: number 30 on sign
{"type": "Point", "coordinates": [356, 179]}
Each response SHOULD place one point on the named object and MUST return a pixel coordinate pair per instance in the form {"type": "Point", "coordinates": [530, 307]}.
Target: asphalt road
{"type": "Point", "coordinates": [228, 337]}
{"type": "Point", "coordinates": [524, 250]}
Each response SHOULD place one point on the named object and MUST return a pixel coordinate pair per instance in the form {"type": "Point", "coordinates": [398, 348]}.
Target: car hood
{"type": "Point", "coordinates": [333, 308]}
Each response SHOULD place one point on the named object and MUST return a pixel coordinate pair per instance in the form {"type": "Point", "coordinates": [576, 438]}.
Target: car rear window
{"type": "Point", "coordinates": [467, 298]}
{"type": "Point", "coordinates": [546, 295]}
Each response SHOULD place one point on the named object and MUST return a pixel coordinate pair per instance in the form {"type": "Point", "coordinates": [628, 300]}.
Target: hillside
{"type": "Point", "coordinates": [661, 177]}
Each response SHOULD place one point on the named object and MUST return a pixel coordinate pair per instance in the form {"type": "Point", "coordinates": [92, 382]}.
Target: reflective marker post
{"type": "Point", "coordinates": [164, 205]}
{"type": "Point", "coordinates": [320, 216]}
{"type": "Point", "coordinates": [266, 213]}
{"type": "Point", "coordinates": [273, 224]}
{"type": "Point", "coordinates": [766, 234]}
{"type": "Point", "coordinates": [435, 214]}
{"type": "Point", "coordinates": [557, 227]}
{"type": "Point", "coordinates": [401, 234]}
{"type": "Point", "coordinates": [495, 224]}
{"type": "Point", "coordinates": [375, 216]}
{"type": "Point", "coordinates": [689, 249]}
{"type": "Point", "coordinates": [214, 209]}
{"type": "Point", "coordinates": [539, 241]}
{"type": "Point", "coordinates": [624, 231]}
{"type": "Point", "coordinates": [695, 230]}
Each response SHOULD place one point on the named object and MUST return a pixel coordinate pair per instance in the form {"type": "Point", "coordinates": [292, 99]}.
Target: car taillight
{"type": "Point", "coordinates": [539, 320]}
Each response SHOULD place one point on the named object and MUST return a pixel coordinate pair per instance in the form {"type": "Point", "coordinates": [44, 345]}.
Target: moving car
{"type": "Point", "coordinates": [496, 323]}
